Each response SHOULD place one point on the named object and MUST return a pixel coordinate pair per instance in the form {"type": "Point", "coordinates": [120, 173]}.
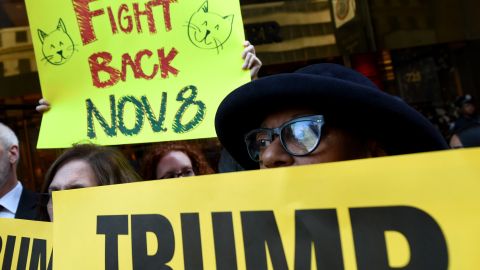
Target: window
{"type": "Point", "coordinates": [24, 65]}
{"type": "Point", "coordinates": [21, 36]}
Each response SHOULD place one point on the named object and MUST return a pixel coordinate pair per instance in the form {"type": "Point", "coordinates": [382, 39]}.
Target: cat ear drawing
{"type": "Point", "coordinates": [42, 35]}
{"type": "Point", "coordinates": [229, 18]}
{"type": "Point", "coordinates": [61, 26]}
{"type": "Point", "coordinates": [204, 7]}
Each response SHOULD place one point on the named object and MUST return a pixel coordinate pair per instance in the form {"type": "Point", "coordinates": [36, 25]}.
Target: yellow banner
{"type": "Point", "coordinates": [119, 72]}
{"type": "Point", "coordinates": [420, 211]}
{"type": "Point", "coordinates": [25, 244]}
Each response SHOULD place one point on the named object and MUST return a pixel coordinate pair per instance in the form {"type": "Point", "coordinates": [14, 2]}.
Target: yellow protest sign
{"type": "Point", "coordinates": [25, 244]}
{"type": "Point", "coordinates": [420, 211]}
{"type": "Point", "coordinates": [133, 71]}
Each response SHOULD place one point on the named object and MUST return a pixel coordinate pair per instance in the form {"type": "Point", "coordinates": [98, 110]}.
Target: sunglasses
{"type": "Point", "coordinates": [299, 137]}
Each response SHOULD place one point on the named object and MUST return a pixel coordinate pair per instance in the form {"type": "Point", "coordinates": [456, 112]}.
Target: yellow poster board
{"type": "Point", "coordinates": [120, 72]}
{"type": "Point", "coordinates": [418, 210]}
{"type": "Point", "coordinates": [25, 244]}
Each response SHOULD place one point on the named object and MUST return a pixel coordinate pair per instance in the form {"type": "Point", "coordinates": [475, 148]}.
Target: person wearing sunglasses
{"type": "Point", "coordinates": [321, 113]}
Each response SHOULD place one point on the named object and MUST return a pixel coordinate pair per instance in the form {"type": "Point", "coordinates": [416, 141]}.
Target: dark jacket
{"type": "Point", "coordinates": [27, 207]}
{"type": "Point", "coordinates": [465, 122]}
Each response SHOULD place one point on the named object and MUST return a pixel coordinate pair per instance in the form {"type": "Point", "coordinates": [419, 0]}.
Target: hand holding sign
{"type": "Point", "coordinates": [252, 62]}
{"type": "Point", "coordinates": [43, 105]}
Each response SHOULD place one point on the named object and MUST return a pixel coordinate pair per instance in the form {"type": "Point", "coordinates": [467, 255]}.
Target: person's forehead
{"type": "Point", "coordinates": [174, 158]}
{"type": "Point", "coordinates": [73, 171]}
{"type": "Point", "coordinates": [173, 162]}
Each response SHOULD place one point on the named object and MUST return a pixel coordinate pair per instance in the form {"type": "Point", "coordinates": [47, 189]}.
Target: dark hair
{"type": "Point", "coordinates": [155, 154]}
{"type": "Point", "coordinates": [108, 164]}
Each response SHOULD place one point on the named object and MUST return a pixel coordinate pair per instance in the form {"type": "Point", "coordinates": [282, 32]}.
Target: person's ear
{"type": "Point", "coordinates": [375, 149]}
{"type": "Point", "coordinates": [13, 154]}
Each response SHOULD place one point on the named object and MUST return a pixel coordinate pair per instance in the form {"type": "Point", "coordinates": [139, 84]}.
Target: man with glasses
{"type": "Point", "coordinates": [321, 113]}
{"type": "Point", "coordinates": [15, 200]}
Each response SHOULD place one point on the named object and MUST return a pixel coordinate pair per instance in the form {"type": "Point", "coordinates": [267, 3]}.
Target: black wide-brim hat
{"type": "Point", "coordinates": [337, 93]}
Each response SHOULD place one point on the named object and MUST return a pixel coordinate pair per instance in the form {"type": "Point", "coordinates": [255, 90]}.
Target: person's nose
{"type": "Point", "coordinates": [275, 156]}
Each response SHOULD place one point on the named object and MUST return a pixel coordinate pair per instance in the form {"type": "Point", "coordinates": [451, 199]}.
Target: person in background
{"type": "Point", "coordinates": [85, 165]}
{"type": "Point", "coordinates": [173, 160]}
{"type": "Point", "coordinates": [320, 113]}
{"type": "Point", "coordinates": [468, 113]}
{"type": "Point", "coordinates": [15, 200]}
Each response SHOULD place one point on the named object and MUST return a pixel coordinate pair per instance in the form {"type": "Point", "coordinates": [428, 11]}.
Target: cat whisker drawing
{"type": "Point", "coordinates": [193, 26]}
{"type": "Point", "coordinates": [208, 30]}
{"type": "Point", "coordinates": [47, 58]}
{"type": "Point", "coordinates": [218, 45]}
{"type": "Point", "coordinates": [57, 46]}
{"type": "Point", "coordinates": [73, 47]}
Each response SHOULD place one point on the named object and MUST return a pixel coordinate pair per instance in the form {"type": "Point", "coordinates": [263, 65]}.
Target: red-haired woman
{"type": "Point", "coordinates": [174, 159]}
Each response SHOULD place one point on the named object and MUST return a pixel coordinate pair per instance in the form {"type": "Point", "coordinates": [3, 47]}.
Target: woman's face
{"type": "Point", "coordinates": [174, 164]}
{"type": "Point", "coordinates": [73, 174]}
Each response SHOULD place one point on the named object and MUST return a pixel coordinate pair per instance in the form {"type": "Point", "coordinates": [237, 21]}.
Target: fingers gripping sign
{"type": "Point", "coordinates": [252, 62]}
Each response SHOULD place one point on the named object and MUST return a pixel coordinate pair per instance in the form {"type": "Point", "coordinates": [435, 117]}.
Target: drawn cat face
{"type": "Point", "coordinates": [208, 30]}
{"type": "Point", "coordinates": [57, 46]}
